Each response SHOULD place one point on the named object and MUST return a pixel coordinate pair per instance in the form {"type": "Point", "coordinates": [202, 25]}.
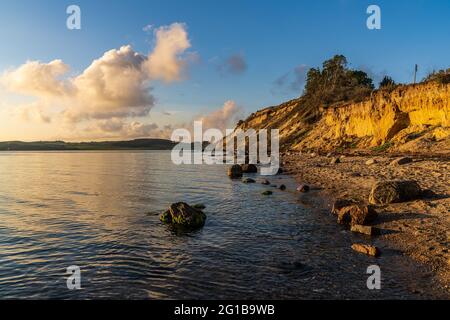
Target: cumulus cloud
{"type": "Point", "coordinates": [119, 128]}
{"type": "Point", "coordinates": [164, 63]}
{"type": "Point", "coordinates": [38, 79]}
{"type": "Point", "coordinates": [33, 112]}
{"type": "Point", "coordinates": [292, 81]}
{"type": "Point", "coordinates": [234, 64]}
{"type": "Point", "coordinates": [117, 85]}
{"type": "Point", "coordinates": [223, 118]}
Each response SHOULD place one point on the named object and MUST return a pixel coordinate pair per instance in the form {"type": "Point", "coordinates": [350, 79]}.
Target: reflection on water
{"type": "Point", "coordinates": [99, 211]}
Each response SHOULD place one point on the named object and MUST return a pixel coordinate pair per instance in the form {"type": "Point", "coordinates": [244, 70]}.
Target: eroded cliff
{"type": "Point", "coordinates": [412, 118]}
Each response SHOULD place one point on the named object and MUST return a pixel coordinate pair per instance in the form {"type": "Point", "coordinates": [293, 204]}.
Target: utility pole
{"type": "Point", "coordinates": [416, 68]}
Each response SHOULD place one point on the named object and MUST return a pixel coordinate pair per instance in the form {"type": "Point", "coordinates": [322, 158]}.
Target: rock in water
{"type": "Point", "coordinates": [235, 171]}
{"type": "Point", "coordinates": [386, 192]}
{"type": "Point", "coordinates": [248, 180]}
{"type": "Point", "coordinates": [267, 193]}
{"type": "Point", "coordinates": [366, 249]}
{"type": "Point", "coordinates": [303, 188]}
{"type": "Point", "coordinates": [199, 206]}
{"type": "Point", "coordinates": [249, 168]}
{"type": "Point", "coordinates": [183, 215]}
{"type": "Point", "coordinates": [401, 161]}
{"type": "Point", "coordinates": [282, 187]}
{"type": "Point", "coordinates": [357, 215]}
{"type": "Point", "coordinates": [265, 182]}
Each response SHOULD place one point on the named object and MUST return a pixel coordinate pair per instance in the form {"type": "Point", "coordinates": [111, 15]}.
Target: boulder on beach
{"type": "Point", "coordinates": [249, 168]}
{"type": "Point", "coordinates": [367, 230]}
{"type": "Point", "coordinates": [183, 215]}
{"type": "Point", "coordinates": [366, 249]}
{"type": "Point", "coordinates": [235, 171]}
{"type": "Point", "coordinates": [248, 180]}
{"type": "Point", "coordinates": [386, 192]}
{"type": "Point", "coordinates": [341, 203]}
{"type": "Point", "coordinates": [401, 161]}
{"type": "Point", "coordinates": [357, 215]}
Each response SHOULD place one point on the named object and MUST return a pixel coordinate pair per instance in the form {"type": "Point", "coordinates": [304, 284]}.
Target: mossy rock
{"type": "Point", "coordinates": [267, 193]}
{"type": "Point", "coordinates": [183, 215]}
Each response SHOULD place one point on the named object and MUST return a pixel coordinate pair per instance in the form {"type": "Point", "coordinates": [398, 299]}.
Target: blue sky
{"type": "Point", "coordinates": [273, 38]}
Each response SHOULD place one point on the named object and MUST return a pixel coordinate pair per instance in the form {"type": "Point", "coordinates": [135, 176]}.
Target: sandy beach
{"type": "Point", "coordinates": [418, 228]}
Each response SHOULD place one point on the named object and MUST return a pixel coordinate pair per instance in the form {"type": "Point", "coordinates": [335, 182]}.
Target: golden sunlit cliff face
{"type": "Point", "coordinates": [413, 118]}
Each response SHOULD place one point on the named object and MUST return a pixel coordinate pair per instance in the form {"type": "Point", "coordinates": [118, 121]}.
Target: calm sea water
{"type": "Point", "coordinates": [99, 211]}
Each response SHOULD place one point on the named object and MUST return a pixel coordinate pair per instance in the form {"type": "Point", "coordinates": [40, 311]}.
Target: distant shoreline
{"type": "Point", "coordinates": [138, 144]}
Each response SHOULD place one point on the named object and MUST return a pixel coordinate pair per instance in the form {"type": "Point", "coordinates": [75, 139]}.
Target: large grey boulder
{"type": "Point", "coordinates": [386, 192]}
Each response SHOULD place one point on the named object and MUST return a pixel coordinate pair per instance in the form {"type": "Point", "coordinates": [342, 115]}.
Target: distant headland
{"type": "Point", "coordinates": [137, 144]}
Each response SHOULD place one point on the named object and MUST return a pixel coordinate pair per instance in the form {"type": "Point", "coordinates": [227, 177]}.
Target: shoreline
{"type": "Point", "coordinates": [419, 229]}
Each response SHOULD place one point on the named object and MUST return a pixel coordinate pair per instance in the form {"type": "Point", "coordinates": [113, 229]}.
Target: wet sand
{"type": "Point", "coordinates": [419, 228]}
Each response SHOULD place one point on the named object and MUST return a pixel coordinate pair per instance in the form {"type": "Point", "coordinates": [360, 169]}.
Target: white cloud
{"type": "Point", "coordinates": [164, 63]}
{"type": "Point", "coordinates": [117, 85]}
{"type": "Point", "coordinates": [37, 79]}
{"type": "Point", "coordinates": [223, 118]}
{"type": "Point", "coordinates": [118, 128]}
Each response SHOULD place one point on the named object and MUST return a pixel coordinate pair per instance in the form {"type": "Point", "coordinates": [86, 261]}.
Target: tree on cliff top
{"type": "Point", "coordinates": [334, 83]}
{"type": "Point", "coordinates": [441, 76]}
{"type": "Point", "coordinates": [387, 83]}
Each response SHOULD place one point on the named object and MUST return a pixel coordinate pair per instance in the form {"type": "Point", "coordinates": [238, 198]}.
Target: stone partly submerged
{"type": "Point", "coordinates": [387, 192]}
{"type": "Point", "coordinates": [248, 180]}
{"type": "Point", "coordinates": [249, 168]}
{"type": "Point", "coordinates": [366, 249]}
{"type": "Point", "coordinates": [267, 193]}
{"type": "Point", "coordinates": [183, 215]}
{"type": "Point", "coordinates": [357, 215]}
{"type": "Point", "coordinates": [235, 171]}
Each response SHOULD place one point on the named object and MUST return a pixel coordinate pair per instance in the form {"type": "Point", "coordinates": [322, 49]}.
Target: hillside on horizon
{"type": "Point", "coordinates": [137, 144]}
